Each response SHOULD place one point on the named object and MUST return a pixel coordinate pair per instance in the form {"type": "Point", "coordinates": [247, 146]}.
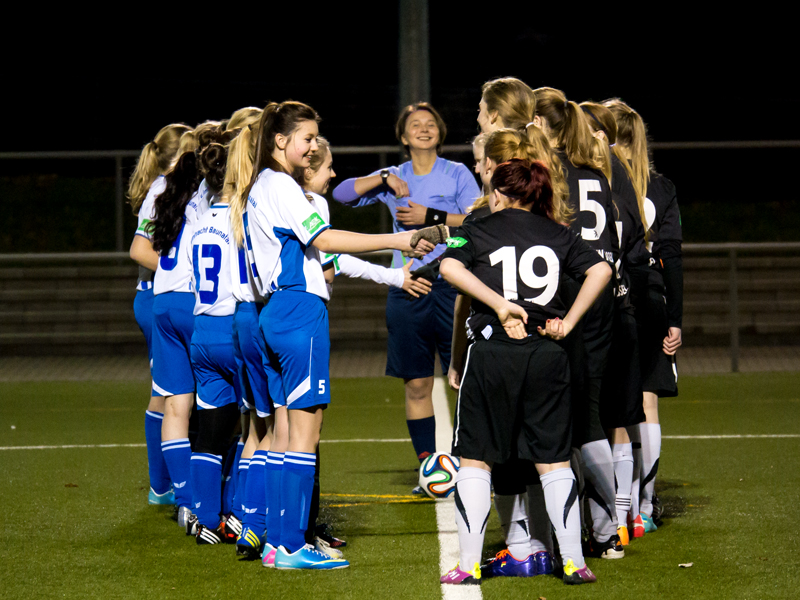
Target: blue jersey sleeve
{"type": "Point", "coordinates": [468, 190]}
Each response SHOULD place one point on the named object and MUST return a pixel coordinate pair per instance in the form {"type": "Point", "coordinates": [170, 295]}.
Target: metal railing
{"type": "Point", "coordinates": [732, 250]}
{"type": "Point", "coordinates": [383, 153]}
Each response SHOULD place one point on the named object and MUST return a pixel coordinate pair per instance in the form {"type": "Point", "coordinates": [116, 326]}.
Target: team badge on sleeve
{"type": "Point", "coordinates": [455, 242]}
{"type": "Point", "coordinates": [313, 223]}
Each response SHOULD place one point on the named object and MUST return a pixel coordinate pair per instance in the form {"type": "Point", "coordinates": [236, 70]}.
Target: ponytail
{"type": "Point", "coordinates": [511, 99]}
{"type": "Point", "coordinates": [170, 205]}
{"type": "Point", "coordinates": [154, 160]}
{"type": "Point", "coordinates": [568, 127]}
{"type": "Point", "coordinates": [238, 171]}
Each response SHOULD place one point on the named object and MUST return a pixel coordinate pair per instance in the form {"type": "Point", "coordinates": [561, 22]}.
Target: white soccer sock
{"type": "Point", "coordinates": [636, 445]}
{"type": "Point", "coordinates": [623, 471]}
{"type": "Point", "coordinates": [473, 504]}
{"type": "Point", "coordinates": [513, 513]}
{"type": "Point", "coordinates": [598, 472]}
{"type": "Point", "coordinates": [561, 498]}
{"type": "Point", "coordinates": [539, 521]}
{"type": "Point", "coordinates": [651, 451]}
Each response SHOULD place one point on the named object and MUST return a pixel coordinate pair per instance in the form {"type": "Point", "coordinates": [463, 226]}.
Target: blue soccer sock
{"type": "Point", "coordinates": [274, 468]}
{"type": "Point", "coordinates": [423, 436]}
{"type": "Point", "coordinates": [229, 474]}
{"type": "Point", "coordinates": [241, 489]}
{"type": "Point", "coordinates": [178, 456]}
{"type": "Point", "coordinates": [206, 488]}
{"type": "Point", "coordinates": [255, 494]}
{"type": "Point", "coordinates": [297, 488]}
{"type": "Point", "coordinates": [159, 475]}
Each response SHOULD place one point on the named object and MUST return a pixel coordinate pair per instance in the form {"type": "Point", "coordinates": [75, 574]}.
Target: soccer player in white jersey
{"type": "Point", "coordinates": [146, 183]}
{"type": "Point", "coordinates": [177, 209]}
{"type": "Point", "coordinates": [213, 363]}
{"type": "Point", "coordinates": [284, 232]}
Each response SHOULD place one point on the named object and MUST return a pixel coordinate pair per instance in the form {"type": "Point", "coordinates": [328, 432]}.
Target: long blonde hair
{"type": "Point", "coordinates": [632, 137]}
{"type": "Point", "coordinates": [565, 125]}
{"type": "Point", "coordinates": [532, 145]}
{"type": "Point", "coordinates": [243, 117]}
{"type": "Point", "coordinates": [155, 159]}
{"type": "Point", "coordinates": [238, 172]}
{"type": "Point", "coordinates": [601, 118]}
{"type": "Point", "coordinates": [512, 99]}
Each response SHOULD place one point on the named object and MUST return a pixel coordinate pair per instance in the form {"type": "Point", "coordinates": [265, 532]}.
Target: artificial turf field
{"type": "Point", "coordinates": [76, 523]}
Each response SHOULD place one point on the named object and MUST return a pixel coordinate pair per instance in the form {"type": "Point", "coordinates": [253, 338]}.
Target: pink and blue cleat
{"type": "Point", "coordinates": [456, 576]}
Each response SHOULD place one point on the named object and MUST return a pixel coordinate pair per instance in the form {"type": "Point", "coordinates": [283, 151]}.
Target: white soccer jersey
{"type": "Point", "coordinates": [243, 285]}
{"type": "Point", "coordinates": [174, 273]}
{"type": "Point", "coordinates": [146, 214]}
{"type": "Point", "coordinates": [280, 224]}
{"type": "Point", "coordinates": [211, 263]}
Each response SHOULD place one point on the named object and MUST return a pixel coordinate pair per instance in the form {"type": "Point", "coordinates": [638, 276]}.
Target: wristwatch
{"type": "Point", "coordinates": [384, 175]}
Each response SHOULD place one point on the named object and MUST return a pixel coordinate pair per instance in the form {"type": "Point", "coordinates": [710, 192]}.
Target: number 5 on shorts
{"type": "Point", "coordinates": [321, 386]}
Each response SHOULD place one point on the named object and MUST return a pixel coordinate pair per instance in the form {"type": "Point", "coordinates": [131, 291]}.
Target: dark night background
{"type": "Point", "coordinates": [112, 87]}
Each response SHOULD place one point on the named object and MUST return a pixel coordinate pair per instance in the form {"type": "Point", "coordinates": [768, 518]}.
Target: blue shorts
{"type": "Point", "coordinates": [213, 362]}
{"type": "Point", "coordinates": [297, 349]}
{"type": "Point", "coordinates": [246, 336]}
{"type": "Point", "coordinates": [418, 329]}
{"type": "Point", "coordinates": [143, 313]}
{"type": "Point", "coordinates": [173, 325]}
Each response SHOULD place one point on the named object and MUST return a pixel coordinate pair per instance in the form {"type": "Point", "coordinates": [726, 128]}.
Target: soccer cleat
{"type": "Point", "coordinates": [649, 525]}
{"type": "Point", "coordinates": [307, 557]}
{"type": "Point", "coordinates": [249, 544]}
{"type": "Point", "coordinates": [206, 536]}
{"type": "Point", "coordinates": [544, 563]}
{"type": "Point", "coordinates": [418, 491]}
{"type": "Point", "coordinates": [191, 525]}
{"type": "Point", "coordinates": [505, 565]}
{"type": "Point", "coordinates": [622, 532]}
{"type": "Point", "coordinates": [167, 497]}
{"type": "Point", "coordinates": [575, 576]}
{"type": "Point", "coordinates": [658, 509]}
{"type": "Point", "coordinates": [183, 516]}
{"type": "Point", "coordinates": [321, 531]}
{"type": "Point", "coordinates": [268, 555]}
{"type": "Point", "coordinates": [233, 525]}
{"type": "Point", "coordinates": [638, 527]}
{"type": "Point", "coordinates": [324, 547]}
{"type": "Point", "coordinates": [611, 548]}
{"type": "Point", "coordinates": [456, 576]}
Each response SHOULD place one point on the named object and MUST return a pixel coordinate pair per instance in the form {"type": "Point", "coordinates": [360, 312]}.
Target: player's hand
{"type": "Point", "coordinates": [556, 328]}
{"type": "Point", "coordinates": [413, 214]}
{"type": "Point", "coordinates": [422, 248]}
{"type": "Point", "coordinates": [513, 318]}
{"type": "Point", "coordinates": [673, 341]}
{"type": "Point", "coordinates": [415, 286]}
{"type": "Point", "coordinates": [399, 187]}
{"type": "Point", "coordinates": [454, 377]}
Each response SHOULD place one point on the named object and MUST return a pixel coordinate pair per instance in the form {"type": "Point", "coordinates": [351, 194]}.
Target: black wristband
{"type": "Point", "coordinates": [435, 217]}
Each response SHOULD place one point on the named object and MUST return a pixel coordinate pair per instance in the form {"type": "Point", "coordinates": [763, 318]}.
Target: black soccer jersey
{"type": "Point", "coordinates": [521, 256]}
{"type": "Point", "coordinates": [630, 231]}
{"type": "Point", "coordinates": [590, 198]}
{"type": "Point", "coordinates": [664, 221]}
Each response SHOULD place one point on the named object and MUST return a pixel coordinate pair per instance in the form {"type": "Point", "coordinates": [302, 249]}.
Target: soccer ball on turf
{"type": "Point", "coordinates": [437, 474]}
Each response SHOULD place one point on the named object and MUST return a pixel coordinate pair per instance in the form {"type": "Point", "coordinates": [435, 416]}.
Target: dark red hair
{"type": "Point", "coordinates": [528, 182]}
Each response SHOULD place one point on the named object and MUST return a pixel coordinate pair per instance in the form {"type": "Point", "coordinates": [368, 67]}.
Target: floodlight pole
{"type": "Point", "coordinates": [415, 71]}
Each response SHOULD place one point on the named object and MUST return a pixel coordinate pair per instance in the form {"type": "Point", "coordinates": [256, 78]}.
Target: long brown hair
{"type": "Point", "coordinates": [155, 160]}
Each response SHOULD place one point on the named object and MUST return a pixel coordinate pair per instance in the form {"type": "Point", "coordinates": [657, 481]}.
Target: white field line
{"type": "Point", "coordinates": [446, 509]}
{"type": "Point", "coordinates": [439, 447]}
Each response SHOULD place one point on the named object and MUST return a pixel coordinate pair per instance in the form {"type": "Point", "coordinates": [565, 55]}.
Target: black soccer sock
{"type": "Point", "coordinates": [423, 436]}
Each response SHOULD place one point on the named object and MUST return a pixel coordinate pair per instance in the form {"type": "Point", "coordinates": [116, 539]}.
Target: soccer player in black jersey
{"type": "Point", "coordinates": [660, 321]}
{"type": "Point", "coordinates": [565, 126]}
{"type": "Point", "coordinates": [511, 263]}
{"type": "Point", "coordinates": [621, 396]}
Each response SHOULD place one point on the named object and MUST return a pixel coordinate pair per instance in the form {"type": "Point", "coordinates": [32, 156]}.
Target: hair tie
{"type": "Point", "coordinates": [591, 114]}
{"type": "Point", "coordinates": [529, 124]}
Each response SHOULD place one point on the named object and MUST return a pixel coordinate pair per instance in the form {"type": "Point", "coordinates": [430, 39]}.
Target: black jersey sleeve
{"type": "Point", "coordinates": [580, 258]}
{"type": "Point", "coordinates": [460, 247]}
{"type": "Point", "coordinates": [668, 250]}
{"type": "Point", "coordinates": [673, 283]}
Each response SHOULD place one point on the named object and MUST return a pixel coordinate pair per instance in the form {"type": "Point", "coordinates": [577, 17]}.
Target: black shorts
{"type": "Point", "coordinates": [659, 370]}
{"type": "Point", "coordinates": [621, 394]}
{"type": "Point", "coordinates": [514, 401]}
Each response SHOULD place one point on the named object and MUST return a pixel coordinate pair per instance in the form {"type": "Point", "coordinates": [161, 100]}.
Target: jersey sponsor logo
{"type": "Point", "coordinates": [145, 227]}
{"type": "Point", "coordinates": [455, 242]}
{"type": "Point", "coordinates": [313, 223]}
